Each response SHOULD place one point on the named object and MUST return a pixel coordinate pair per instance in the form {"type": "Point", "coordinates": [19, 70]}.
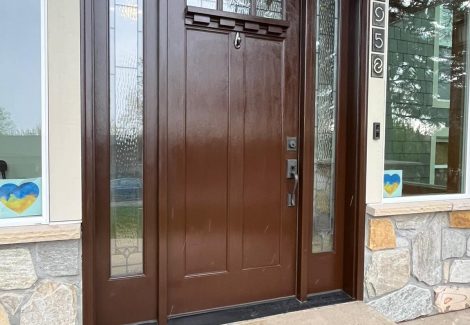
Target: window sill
{"type": "Point", "coordinates": [402, 208]}
{"type": "Point", "coordinates": [39, 233]}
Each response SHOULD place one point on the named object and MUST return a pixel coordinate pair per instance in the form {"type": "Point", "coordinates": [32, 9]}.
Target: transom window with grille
{"type": "Point", "coordinates": [273, 9]}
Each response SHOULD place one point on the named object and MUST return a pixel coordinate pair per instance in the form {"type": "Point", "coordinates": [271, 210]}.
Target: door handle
{"type": "Point", "coordinates": [292, 173]}
{"type": "Point", "coordinates": [291, 197]}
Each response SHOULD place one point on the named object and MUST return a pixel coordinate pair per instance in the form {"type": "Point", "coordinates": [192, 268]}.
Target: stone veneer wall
{"type": "Point", "coordinates": [418, 265]}
{"type": "Point", "coordinates": [40, 283]}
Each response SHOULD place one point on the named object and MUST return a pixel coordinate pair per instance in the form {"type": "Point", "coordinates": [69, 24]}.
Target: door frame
{"type": "Point", "coordinates": [354, 207]}
{"type": "Point", "coordinates": [354, 239]}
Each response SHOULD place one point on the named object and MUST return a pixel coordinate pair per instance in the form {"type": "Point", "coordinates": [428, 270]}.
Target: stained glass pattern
{"type": "Point", "coordinates": [269, 8]}
{"type": "Point", "coordinates": [126, 127]}
{"type": "Point", "coordinates": [237, 6]}
{"type": "Point", "coordinates": [208, 4]}
{"type": "Point", "coordinates": [325, 126]}
{"type": "Point", "coordinates": [262, 8]}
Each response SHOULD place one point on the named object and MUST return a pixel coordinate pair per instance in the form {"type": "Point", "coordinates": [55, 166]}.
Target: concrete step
{"type": "Point", "coordinates": [353, 313]}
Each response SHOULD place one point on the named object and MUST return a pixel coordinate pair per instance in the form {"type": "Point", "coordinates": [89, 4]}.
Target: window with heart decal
{"type": "Point", "coordinates": [20, 198]}
{"type": "Point", "coordinates": [393, 185]}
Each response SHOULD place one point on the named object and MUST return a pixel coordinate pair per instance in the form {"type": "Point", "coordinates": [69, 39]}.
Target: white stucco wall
{"type": "Point", "coordinates": [63, 39]}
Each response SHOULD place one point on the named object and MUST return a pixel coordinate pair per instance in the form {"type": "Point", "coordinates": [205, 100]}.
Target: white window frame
{"type": "Point", "coordinates": [465, 154]}
{"type": "Point", "coordinates": [44, 218]}
{"type": "Point", "coordinates": [437, 102]}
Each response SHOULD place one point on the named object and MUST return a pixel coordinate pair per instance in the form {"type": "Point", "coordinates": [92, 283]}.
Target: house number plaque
{"type": "Point", "coordinates": [378, 38]}
{"type": "Point", "coordinates": [377, 65]}
{"type": "Point", "coordinates": [378, 14]}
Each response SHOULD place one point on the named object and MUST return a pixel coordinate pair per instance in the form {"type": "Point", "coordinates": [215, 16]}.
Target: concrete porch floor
{"type": "Point", "coordinates": [353, 313]}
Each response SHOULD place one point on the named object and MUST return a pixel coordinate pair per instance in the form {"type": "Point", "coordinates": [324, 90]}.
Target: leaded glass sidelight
{"type": "Point", "coordinates": [126, 130]}
{"type": "Point", "coordinates": [325, 126]}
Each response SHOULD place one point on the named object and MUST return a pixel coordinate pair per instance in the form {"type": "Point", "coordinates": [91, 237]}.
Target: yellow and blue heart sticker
{"type": "Point", "coordinates": [393, 185]}
{"type": "Point", "coordinates": [20, 198]}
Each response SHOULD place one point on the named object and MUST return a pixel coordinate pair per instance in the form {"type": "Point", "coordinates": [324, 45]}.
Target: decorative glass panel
{"type": "Point", "coordinates": [237, 6]}
{"type": "Point", "coordinates": [209, 4]}
{"type": "Point", "coordinates": [126, 130]}
{"type": "Point", "coordinates": [426, 109]}
{"type": "Point", "coordinates": [325, 126]}
{"type": "Point", "coordinates": [21, 108]}
{"type": "Point", "coordinates": [269, 8]}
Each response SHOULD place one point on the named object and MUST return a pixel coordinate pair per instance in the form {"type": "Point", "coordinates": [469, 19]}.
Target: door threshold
{"type": "Point", "coordinates": [260, 309]}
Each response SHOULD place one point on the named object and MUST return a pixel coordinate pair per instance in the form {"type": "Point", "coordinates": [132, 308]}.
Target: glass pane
{"type": "Point", "coordinates": [209, 4]}
{"type": "Point", "coordinates": [269, 8]}
{"type": "Point", "coordinates": [21, 103]}
{"type": "Point", "coordinates": [325, 126]}
{"type": "Point", "coordinates": [126, 127]}
{"type": "Point", "coordinates": [237, 6]}
{"type": "Point", "coordinates": [426, 105]}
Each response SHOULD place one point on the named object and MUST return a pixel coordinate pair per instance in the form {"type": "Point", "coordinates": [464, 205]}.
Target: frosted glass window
{"type": "Point", "coordinates": [325, 126]}
{"type": "Point", "coordinates": [126, 137]}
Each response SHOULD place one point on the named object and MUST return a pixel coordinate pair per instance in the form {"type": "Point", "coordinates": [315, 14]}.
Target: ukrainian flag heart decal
{"type": "Point", "coordinates": [19, 198]}
{"type": "Point", "coordinates": [391, 183]}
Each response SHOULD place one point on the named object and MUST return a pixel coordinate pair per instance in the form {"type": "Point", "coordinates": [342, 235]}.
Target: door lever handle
{"type": "Point", "coordinates": [291, 197]}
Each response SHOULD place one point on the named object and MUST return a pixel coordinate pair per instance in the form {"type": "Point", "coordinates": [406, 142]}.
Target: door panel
{"type": "Point", "coordinates": [263, 173]}
{"type": "Point", "coordinates": [231, 236]}
{"type": "Point", "coordinates": [206, 148]}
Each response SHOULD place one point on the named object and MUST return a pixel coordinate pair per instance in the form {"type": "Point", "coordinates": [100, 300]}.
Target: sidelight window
{"type": "Point", "coordinates": [273, 9]}
{"type": "Point", "coordinates": [23, 145]}
{"type": "Point", "coordinates": [325, 126]}
{"type": "Point", "coordinates": [427, 98]}
{"type": "Point", "coordinates": [126, 137]}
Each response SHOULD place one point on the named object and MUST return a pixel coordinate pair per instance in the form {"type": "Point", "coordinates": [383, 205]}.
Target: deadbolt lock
{"type": "Point", "coordinates": [291, 144]}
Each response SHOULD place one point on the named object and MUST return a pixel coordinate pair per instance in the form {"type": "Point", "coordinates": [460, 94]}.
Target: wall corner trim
{"type": "Point", "coordinates": [403, 208]}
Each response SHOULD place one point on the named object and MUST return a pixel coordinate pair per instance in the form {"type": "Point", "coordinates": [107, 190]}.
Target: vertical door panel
{"type": "Point", "coordinates": [328, 160]}
{"type": "Point", "coordinates": [263, 177]}
{"type": "Point", "coordinates": [206, 152]}
{"type": "Point", "coordinates": [124, 215]}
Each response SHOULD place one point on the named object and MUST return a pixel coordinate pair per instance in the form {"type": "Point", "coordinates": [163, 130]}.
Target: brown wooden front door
{"type": "Point", "coordinates": [232, 106]}
{"type": "Point", "coordinates": [193, 116]}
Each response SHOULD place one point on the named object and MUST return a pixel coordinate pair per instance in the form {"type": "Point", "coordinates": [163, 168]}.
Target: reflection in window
{"type": "Point", "coordinates": [126, 127]}
{"type": "Point", "coordinates": [262, 8]}
{"type": "Point", "coordinates": [269, 8]}
{"type": "Point", "coordinates": [209, 4]}
{"type": "Point", "coordinates": [426, 96]}
{"type": "Point", "coordinates": [325, 126]}
{"type": "Point", "coordinates": [21, 108]}
{"type": "Point", "coordinates": [238, 6]}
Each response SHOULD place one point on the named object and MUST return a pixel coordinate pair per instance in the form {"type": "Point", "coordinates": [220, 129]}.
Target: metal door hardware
{"type": "Point", "coordinates": [291, 168]}
{"type": "Point", "coordinates": [238, 41]}
{"type": "Point", "coordinates": [291, 144]}
{"type": "Point", "coordinates": [376, 131]}
{"type": "Point", "coordinates": [292, 173]}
